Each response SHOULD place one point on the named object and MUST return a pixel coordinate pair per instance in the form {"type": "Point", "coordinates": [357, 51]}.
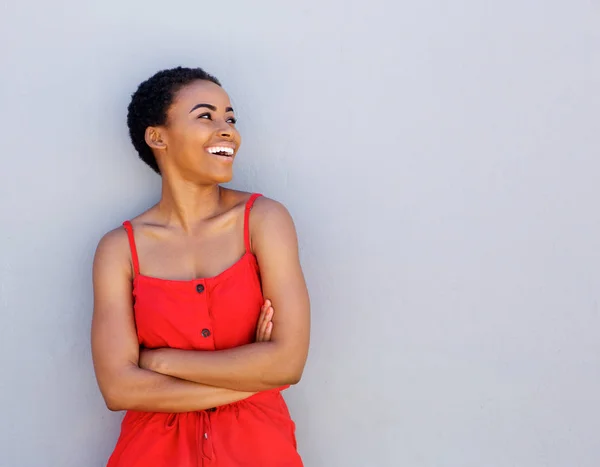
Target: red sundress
{"type": "Point", "coordinates": [215, 313]}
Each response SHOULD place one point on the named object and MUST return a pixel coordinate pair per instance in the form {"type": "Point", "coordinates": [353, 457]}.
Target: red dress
{"type": "Point", "coordinates": [215, 313]}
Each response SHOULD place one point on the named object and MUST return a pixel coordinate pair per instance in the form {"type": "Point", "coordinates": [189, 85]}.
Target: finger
{"type": "Point", "coordinates": [263, 329]}
{"type": "Point", "coordinates": [265, 323]}
{"type": "Point", "coordinates": [263, 310]}
{"type": "Point", "coordinates": [268, 332]}
{"type": "Point", "coordinates": [259, 323]}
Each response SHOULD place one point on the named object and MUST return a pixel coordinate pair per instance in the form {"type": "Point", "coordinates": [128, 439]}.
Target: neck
{"type": "Point", "coordinates": [186, 204]}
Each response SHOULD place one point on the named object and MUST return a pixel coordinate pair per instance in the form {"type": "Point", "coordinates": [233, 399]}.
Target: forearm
{"type": "Point", "coordinates": [252, 367]}
{"type": "Point", "coordinates": [144, 390]}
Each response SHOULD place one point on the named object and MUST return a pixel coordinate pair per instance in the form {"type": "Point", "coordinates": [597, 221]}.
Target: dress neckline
{"type": "Point", "coordinates": [226, 272]}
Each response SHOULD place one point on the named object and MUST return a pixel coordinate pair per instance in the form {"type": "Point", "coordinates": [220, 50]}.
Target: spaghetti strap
{"type": "Point", "coordinates": [134, 255]}
{"type": "Point", "coordinates": [249, 205]}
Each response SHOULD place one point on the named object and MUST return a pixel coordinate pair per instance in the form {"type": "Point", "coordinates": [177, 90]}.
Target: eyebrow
{"type": "Point", "coordinates": [211, 107]}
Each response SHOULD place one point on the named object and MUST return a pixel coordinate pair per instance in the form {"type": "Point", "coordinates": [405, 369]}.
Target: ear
{"type": "Point", "coordinates": [155, 138]}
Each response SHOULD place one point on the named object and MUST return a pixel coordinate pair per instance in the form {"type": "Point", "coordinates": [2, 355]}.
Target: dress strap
{"type": "Point", "coordinates": [134, 255]}
{"type": "Point", "coordinates": [249, 205]}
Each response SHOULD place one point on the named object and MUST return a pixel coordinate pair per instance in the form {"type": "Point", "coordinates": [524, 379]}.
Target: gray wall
{"type": "Point", "coordinates": [440, 160]}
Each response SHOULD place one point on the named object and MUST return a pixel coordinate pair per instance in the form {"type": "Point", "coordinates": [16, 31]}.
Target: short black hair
{"type": "Point", "coordinates": [151, 101]}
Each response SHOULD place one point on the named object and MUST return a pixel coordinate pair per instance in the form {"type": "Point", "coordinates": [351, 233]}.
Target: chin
{"type": "Point", "coordinates": [222, 178]}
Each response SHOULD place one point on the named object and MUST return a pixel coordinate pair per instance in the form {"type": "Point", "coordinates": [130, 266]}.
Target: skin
{"type": "Point", "coordinates": [196, 230]}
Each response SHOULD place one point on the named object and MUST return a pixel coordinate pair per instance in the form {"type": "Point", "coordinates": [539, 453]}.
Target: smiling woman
{"type": "Point", "coordinates": [201, 313]}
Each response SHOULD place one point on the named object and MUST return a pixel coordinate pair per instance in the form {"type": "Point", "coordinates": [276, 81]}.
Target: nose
{"type": "Point", "coordinates": [226, 133]}
{"type": "Point", "coordinates": [224, 130]}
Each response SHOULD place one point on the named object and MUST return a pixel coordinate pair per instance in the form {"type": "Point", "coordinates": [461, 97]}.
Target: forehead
{"type": "Point", "coordinates": [200, 92]}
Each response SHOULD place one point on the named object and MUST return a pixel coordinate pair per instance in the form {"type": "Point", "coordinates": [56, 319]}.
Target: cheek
{"type": "Point", "coordinates": [199, 134]}
{"type": "Point", "coordinates": [192, 138]}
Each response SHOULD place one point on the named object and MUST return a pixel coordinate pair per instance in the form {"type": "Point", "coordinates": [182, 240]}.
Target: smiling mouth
{"type": "Point", "coordinates": [221, 151]}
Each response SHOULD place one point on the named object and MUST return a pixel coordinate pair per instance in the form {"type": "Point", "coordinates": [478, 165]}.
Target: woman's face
{"type": "Point", "coordinates": [200, 140]}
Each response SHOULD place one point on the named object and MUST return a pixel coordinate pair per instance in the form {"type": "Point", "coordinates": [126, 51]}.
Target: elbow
{"type": "Point", "coordinates": [118, 390]}
{"type": "Point", "coordinates": [284, 370]}
{"type": "Point", "coordinates": [118, 395]}
{"type": "Point", "coordinates": [113, 406]}
{"type": "Point", "coordinates": [291, 368]}
{"type": "Point", "coordinates": [297, 376]}
{"type": "Point", "coordinates": [294, 376]}
{"type": "Point", "coordinates": [288, 375]}
{"type": "Point", "coordinates": [292, 380]}
{"type": "Point", "coordinates": [115, 400]}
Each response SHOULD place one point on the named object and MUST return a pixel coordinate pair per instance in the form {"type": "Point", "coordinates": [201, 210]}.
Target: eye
{"type": "Point", "coordinates": [205, 115]}
{"type": "Point", "coordinates": [232, 120]}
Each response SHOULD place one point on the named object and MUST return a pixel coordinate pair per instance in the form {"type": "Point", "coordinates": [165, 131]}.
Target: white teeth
{"type": "Point", "coordinates": [216, 149]}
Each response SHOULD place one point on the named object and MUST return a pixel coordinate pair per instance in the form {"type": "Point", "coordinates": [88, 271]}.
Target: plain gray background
{"type": "Point", "coordinates": [440, 160]}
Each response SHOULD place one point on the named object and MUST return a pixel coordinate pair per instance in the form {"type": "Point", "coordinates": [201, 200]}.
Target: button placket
{"type": "Point", "coordinates": [205, 332]}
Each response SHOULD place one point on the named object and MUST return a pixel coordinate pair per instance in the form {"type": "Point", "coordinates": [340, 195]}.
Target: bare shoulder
{"type": "Point", "coordinates": [270, 211]}
{"type": "Point", "coordinates": [113, 250]}
{"type": "Point", "coordinates": [271, 227]}
{"type": "Point", "coordinates": [235, 199]}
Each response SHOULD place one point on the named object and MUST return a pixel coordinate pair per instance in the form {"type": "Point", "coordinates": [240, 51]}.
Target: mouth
{"type": "Point", "coordinates": [222, 151]}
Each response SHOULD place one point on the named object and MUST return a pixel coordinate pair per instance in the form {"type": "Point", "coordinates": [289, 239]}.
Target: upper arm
{"type": "Point", "coordinates": [114, 340]}
{"type": "Point", "coordinates": [275, 244]}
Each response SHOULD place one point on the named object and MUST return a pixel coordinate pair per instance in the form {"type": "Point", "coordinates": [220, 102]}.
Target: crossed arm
{"type": "Point", "coordinates": [171, 380]}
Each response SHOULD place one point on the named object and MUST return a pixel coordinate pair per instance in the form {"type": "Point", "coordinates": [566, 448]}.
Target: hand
{"type": "Point", "coordinates": [265, 323]}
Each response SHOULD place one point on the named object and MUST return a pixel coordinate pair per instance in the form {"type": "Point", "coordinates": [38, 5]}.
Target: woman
{"type": "Point", "coordinates": [182, 336]}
